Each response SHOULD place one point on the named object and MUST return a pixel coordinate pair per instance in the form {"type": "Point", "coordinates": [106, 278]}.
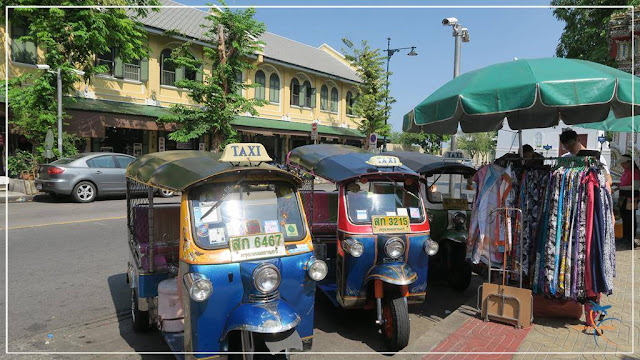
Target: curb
{"type": "Point", "coordinates": [16, 197]}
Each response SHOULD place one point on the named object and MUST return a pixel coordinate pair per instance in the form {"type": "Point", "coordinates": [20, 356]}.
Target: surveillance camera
{"type": "Point", "coordinates": [465, 35]}
{"type": "Point", "coordinates": [449, 21]}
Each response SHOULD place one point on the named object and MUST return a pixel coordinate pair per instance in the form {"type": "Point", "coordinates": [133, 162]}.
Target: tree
{"type": "Point", "coordinates": [372, 103]}
{"type": "Point", "coordinates": [430, 143]}
{"type": "Point", "coordinates": [585, 32]}
{"type": "Point", "coordinates": [71, 38]}
{"type": "Point", "coordinates": [478, 144]}
{"type": "Point", "coordinates": [219, 95]}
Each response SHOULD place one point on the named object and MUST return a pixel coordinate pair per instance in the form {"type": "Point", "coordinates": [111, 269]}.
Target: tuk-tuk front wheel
{"type": "Point", "coordinates": [139, 318]}
{"type": "Point", "coordinates": [395, 329]}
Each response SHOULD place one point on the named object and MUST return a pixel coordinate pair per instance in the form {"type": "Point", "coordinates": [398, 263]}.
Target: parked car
{"type": "Point", "coordinates": [85, 176]}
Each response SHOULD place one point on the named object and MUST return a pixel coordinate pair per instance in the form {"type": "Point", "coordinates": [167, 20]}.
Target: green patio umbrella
{"type": "Point", "coordinates": [530, 93]}
{"type": "Point", "coordinates": [615, 125]}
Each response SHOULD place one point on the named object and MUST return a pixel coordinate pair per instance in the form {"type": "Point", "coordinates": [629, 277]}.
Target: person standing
{"type": "Point", "coordinates": [569, 140]}
{"type": "Point", "coordinates": [628, 185]}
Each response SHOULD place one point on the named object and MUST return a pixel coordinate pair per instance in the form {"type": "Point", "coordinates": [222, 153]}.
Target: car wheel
{"type": "Point", "coordinates": [166, 193]}
{"type": "Point", "coordinates": [84, 192]}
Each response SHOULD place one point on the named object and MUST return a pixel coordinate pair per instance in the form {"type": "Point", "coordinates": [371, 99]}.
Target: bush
{"type": "Point", "coordinates": [21, 161]}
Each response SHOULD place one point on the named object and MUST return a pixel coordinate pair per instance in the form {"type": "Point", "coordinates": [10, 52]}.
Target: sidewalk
{"type": "Point", "coordinates": [464, 332]}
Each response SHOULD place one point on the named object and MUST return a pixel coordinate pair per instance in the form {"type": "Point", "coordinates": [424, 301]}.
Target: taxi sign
{"type": "Point", "coordinates": [245, 153]}
{"type": "Point", "coordinates": [454, 154]}
{"type": "Point", "coordinates": [384, 161]}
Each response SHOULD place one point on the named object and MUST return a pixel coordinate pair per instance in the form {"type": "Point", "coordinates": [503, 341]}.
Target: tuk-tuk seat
{"type": "Point", "coordinates": [166, 234]}
{"type": "Point", "coordinates": [325, 217]}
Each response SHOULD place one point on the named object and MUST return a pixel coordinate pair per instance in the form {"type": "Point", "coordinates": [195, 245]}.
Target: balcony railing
{"type": "Point", "coordinates": [132, 72]}
{"type": "Point", "coordinates": [168, 78]}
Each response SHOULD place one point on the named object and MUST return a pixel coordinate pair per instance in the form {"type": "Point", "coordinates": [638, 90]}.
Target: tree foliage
{"type": "Point", "coordinates": [478, 144]}
{"type": "Point", "coordinates": [585, 31]}
{"type": "Point", "coordinates": [219, 95]}
{"type": "Point", "coordinates": [71, 38]}
{"type": "Point", "coordinates": [372, 103]}
{"type": "Point", "coordinates": [430, 143]}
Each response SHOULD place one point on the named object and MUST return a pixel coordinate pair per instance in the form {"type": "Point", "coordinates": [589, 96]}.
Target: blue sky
{"type": "Point", "coordinates": [496, 35]}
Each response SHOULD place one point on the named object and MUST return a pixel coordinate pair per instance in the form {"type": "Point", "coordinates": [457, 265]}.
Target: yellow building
{"type": "Point", "coordinates": [119, 110]}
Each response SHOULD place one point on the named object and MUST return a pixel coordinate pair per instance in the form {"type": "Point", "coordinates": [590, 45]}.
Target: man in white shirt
{"type": "Point", "coordinates": [569, 140]}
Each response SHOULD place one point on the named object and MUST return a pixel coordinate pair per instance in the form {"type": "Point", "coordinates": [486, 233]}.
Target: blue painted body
{"type": "Point", "coordinates": [352, 275]}
{"type": "Point", "coordinates": [148, 284]}
{"type": "Point", "coordinates": [230, 307]}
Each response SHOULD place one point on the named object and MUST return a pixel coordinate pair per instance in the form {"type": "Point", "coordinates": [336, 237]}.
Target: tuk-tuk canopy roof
{"type": "Point", "coordinates": [427, 164]}
{"type": "Point", "coordinates": [180, 169]}
{"type": "Point", "coordinates": [338, 163]}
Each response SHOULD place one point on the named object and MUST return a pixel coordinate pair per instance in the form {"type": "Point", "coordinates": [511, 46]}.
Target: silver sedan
{"type": "Point", "coordinates": [85, 176]}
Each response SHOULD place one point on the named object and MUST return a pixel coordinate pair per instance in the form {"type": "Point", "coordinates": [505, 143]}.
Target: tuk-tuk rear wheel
{"type": "Point", "coordinates": [395, 329]}
{"type": "Point", "coordinates": [139, 318]}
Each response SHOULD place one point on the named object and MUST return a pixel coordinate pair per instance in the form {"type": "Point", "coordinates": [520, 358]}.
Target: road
{"type": "Point", "coordinates": [67, 289]}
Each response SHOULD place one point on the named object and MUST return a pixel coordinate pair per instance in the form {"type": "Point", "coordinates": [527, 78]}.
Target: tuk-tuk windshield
{"type": "Point", "coordinates": [222, 211]}
{"type": "Point", "coordinates": [387, 198]}
{"type": "Point", "coordinates": [438, 188]}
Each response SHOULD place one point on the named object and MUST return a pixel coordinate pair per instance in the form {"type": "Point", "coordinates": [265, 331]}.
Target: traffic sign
{"type": "Point", "coordinates": [373, 141]}
{"type": "Point", "coordinates": [314, 131]}
{"type": "Point", "coordinates": [602, 139]}
{"type": "Point", "coordinates": [547, 147]}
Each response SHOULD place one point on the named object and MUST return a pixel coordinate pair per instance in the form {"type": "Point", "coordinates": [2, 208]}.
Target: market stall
{"type": "Point", "coordinates": [552, 223]}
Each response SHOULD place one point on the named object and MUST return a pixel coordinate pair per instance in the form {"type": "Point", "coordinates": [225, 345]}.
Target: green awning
{"type": "Point", "coordinates": [244, 121]}
{"type": "Point", "coordinates": [615, 125]}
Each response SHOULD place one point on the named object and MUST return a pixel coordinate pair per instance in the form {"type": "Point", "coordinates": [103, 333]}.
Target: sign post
{"type": "Point", "coordinates": [314, 132]}
{"type": "Point", "coordinates": [373, 141]}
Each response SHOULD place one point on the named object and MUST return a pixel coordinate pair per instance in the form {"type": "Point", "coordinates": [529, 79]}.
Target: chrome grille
{"type": "Point", "coordinates": [272, 296]}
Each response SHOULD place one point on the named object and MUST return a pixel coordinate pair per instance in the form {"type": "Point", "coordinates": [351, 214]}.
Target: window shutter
{"type": "Point", "coordinates": [179, 73]}
{"type": "Point", "coordinates": [313, 97]}
{"type": "Point", "coordinates": [144, 70]}
{"type": "Point", "coordinates": [31, 51]}
{"type": "Point", "coordinates": [199, 74]}
{"type": "Point", "coordinates": [118, 68]}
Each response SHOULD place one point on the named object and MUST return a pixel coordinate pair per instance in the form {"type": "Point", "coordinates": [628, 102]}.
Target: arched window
{"type": "Point", "coordinates": [274, 88]}
{"type": "Point", "coordinates": [349, 103]}
{"type": "Point", "coordinates": [167, 69]}
{"type": "Point", "coordinates": [260, 85]}
{"type": "Point", "coordinates": [324, 98]}
{"type": "Point", "coordinates": [295, 92]}
{"type": "Point", "coordinates": [334, 100]}
{"type": "Point", "coordinates": [308, 93]}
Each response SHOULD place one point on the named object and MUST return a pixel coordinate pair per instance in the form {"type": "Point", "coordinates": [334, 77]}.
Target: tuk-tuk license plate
{"type": "Point", "coordinates": [390, 224]}
{"type": "Point", "coordinates": [256, 246]}
{"type": "Point", "coordinates": [454, 204]}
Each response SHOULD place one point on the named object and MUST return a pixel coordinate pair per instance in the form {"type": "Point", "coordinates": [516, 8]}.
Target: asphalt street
{"type": "Point", "coordinates": [67, 289]}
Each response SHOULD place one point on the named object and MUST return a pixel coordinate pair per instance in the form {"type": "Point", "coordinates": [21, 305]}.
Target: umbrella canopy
{"type": "Point", "coordinates": [427, 164]}
{"type": "Point", "coordinates": [615, 125]}
{"type": "Point", "coordinates": [530, 93]}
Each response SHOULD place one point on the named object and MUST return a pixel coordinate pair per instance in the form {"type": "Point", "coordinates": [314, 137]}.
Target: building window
{"type": "Point", "coordinates": [239, 81]}
{"type": "Point", "coordinates": [274, 88]}
{"type": "Point", "coordinates": [295, 92]}
{"type": "Point", "coordinates": [260, 85]}
{"type": "Point", "coordinates": [538, 140]}
{"type": "Point", "coordinates": [115, 67]}
{"type": "Point", "coordinates": [107, 60]}
{"type": "Point", "coordinates": [334, 100]}
{"type": "Point", "coordinates": [308, 94]}
{"type": "Point", "coordinates": [350, 101]}
{"type": "Point", "coordinates": [167, 69]}
{"type": "Point", "coordinates": [324, 98]}
{"type": "Point", "coordinates": [22, 51]}
{"type": "Point", "coordinates": [132, 70]}
{"type": "Point", "coordinates": [189, 73]}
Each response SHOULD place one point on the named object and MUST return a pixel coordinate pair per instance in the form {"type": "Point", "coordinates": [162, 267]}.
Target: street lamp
{"type": "Point", "coordinates": [459, 33]}
{"type": "Point", "coordinates": [390, 53]}
{"type": "Point", "coordinates": [59, 87]}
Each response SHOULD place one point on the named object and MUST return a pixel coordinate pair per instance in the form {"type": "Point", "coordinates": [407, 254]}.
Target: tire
{"type": "Point", "coordinates": [166, 193]}
{"type": "Point", "coordinates": [84, 192]}
{"type": "Point", "coordinates": [395, 329]}
{"type": "Point", "coordinates": [139, 318]}
{"type": "Point", "coordinates": [460, 270]}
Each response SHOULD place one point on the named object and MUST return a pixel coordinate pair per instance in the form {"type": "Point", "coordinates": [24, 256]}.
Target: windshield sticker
{"type": "Point", "coordinates": [390, 213]}
{"type": "Point", "coordinates": [361, 214]}
{"type": "Point", "coordinates": [203, 231]}
{"type": "Point", "coordinates": [216, 236]}
{"type": "Point", "coordinates": [296, 249]}
{"type": "Point", "coordinates": [414, 213]}
{"type": "Point", "coordinates": [271, 226]}
{"type": "Point", "coordinates": [291, 230]}
{"type": "Point", "coordinates": [402, 212]}
{"type": "Point", "coordinates": [253, 227]}
{"type": "Point", "coordinates": [211, 217]}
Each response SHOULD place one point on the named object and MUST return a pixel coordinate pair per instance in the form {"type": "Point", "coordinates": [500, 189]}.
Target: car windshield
{"type": "Point", "coordinates": [222, 211]}
{"type": "Point", "coordinates": [438, 188]}
{"type": "Point", "coordinates": [386, 198]}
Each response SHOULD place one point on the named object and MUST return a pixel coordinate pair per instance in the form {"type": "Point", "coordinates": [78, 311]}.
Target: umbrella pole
{"type": "Point", "coordinates": [520, 143]}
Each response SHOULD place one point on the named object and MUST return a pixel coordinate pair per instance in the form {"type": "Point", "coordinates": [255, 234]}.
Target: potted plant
{"type": "Point", "coordinates": [22, 164]}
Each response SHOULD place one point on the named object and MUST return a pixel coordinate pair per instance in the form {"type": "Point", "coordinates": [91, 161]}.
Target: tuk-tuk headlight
{"type": "Point", "coordinates": [394, 247]}
{"type": "Point", "coordinates": [431, 247]}
{"type": "Point", "coordinates": [459, 219]}
{"type": "Point", "coordinates": [266, 278]}
{"type": "Point", "coordinates": [317, 269]}
{"type": "Point", "coordinates": [199, 286]}
{"type": "Point", "coordinates": [353, 247]}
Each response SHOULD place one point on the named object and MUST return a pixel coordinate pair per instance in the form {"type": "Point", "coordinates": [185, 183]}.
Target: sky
{"type": "Point", "coordinates": [496, 35]}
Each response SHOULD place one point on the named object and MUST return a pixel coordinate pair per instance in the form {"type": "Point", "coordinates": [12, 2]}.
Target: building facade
{"type": "Point", "coordinates": [119, 110]}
